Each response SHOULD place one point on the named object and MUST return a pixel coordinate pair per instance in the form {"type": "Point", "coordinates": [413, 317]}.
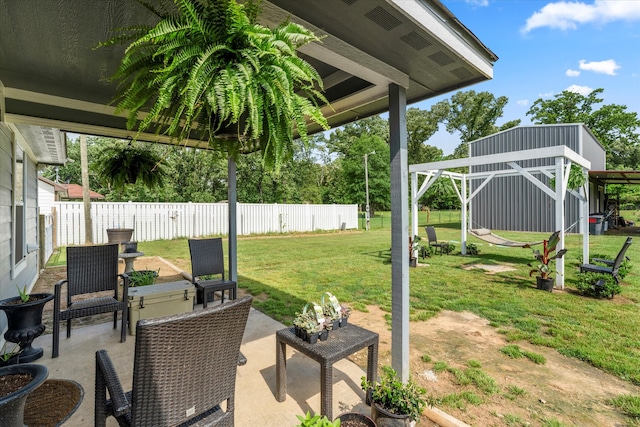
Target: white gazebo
{"type": "Point", "coordinates": [470, 184]}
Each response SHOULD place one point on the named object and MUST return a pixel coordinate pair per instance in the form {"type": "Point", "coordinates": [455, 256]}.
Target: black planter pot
{"type": "Point", "coordinates": [545, 284]}
{"type": "Point", "coordinates": [129, 247]}
{"type": "Point", "coordinates": [357, 419]}
{"type": "Point", "coordinates": [24, 321]}
{"type": "Point", "coordinates": [385, 418]}
{"type": "Point", "coordinates": [413, 262]}
{"type": "Point", "coordinates": [12, 405]}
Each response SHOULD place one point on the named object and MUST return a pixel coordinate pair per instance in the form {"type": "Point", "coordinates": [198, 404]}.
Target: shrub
{"type": "Point", "coordinates": [597, 284]}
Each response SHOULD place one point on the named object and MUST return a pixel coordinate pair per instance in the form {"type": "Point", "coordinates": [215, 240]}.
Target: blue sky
{"type": "Point", "coordinates": [545, 47]}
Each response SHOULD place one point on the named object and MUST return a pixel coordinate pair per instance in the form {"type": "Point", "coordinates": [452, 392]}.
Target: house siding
{"type": "Point", "coordinates": [514, 203]}
{"type": "Point", "coordinates": [27, 274]}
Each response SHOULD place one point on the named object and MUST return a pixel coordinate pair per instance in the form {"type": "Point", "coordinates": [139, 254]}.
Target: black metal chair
{"type": "Point", "coordinates": [90, 269]}
{"type": "Point", "coordinates": [611, 267]}
{"type": "Point", "coordinates": [207, 259]}
{"type": "Point", "coordinates": [184, 369]}
{"type": "Point", "coordinates": [433, 240]}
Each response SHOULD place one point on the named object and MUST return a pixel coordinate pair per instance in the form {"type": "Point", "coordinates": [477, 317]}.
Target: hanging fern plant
{"type": "Point", "coordinates": [129, 163]}
{"type": "Point", "coordinates": [208, 70]}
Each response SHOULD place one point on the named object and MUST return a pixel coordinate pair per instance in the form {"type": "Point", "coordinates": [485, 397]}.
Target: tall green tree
{"type": "Point", "coordinates": [617, 129]}
{"type": "Point", "coordinates": [473, 115]}
{"type": "Point", "coordinates": [421, 125]}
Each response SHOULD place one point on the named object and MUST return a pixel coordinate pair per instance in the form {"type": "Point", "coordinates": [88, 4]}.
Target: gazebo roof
{"type": "Point", "coordinates": [53, 76]}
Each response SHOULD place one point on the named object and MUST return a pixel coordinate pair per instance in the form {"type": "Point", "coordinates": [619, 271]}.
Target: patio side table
{"type": "Point", "coordinates": [341, 343]}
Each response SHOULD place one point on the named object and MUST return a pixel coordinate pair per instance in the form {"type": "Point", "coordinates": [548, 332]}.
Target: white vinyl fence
{"type": "Point", "coordinates": [157, 221]}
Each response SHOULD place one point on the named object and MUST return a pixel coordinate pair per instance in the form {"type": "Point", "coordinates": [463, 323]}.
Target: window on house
{"type": "Point", "coordinates": [18, 203]}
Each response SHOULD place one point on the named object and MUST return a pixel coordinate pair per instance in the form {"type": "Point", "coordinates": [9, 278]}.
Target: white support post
{"type": "Point", "coordinates": [584, 223]}
{"type": "Point", "coordinates": [414, 208]}
{"type": "Point", "coordinates": [463, 210]}
{"type": "Point", "coordinates": [559, 196]}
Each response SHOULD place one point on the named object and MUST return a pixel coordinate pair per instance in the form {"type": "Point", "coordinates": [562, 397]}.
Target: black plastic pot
{"type": "Point", "coordinates": [356, 419]}
{"type": "Point", "coordinates": [24, 320]}
{"type": "Point", "coordinates": [545, 284]}
{"type": "Point", "coordinates": [385, 418]}
{"type": "Point", "coordinates": [12, 405]}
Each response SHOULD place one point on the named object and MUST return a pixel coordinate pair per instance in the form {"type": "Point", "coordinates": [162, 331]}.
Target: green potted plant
{"type": "Point", "coordinates": [24, 321]}
{"type": "Point", "coordinates": [542, 268]}
{"type": "Point", "coordinates": [316, 421]}
{"type": "Point", "coordinates": [332, 311]}
{"type": "Point", "coordinates": [10, 355]}
{"type": "Point", "coordinates": [142, 277]}
{"type": "Point", "coordinates": [207, 70]}
{"type": "Point", "coordinates": [394, 403]}
{"type": "Point", "coordinates": [307, 325]}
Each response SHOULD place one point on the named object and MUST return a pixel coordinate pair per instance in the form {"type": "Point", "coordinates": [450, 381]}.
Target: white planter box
{"type": "Point", "coordinates": [159, 300]}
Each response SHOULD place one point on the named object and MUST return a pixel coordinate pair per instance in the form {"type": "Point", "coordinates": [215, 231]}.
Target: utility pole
{"type": "Point", "coordinates": [366, 186]}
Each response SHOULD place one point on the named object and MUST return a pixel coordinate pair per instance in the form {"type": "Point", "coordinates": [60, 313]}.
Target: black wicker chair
{"type": "Point", "coordinates": [184, 369]}
{"type": "Point", "coordinates": [207, 259]}
{"type": "Point", "coordinates": [611, 267]}
{"type": "Point", "coordinates": [433, 241]}
{"type": "Point", "coordinates": [90, 269]}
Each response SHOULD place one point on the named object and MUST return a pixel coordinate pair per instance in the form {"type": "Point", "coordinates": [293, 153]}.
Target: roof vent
{"type": "Point", "coordinates": [383, 18]}
{"type": "Point", "coordinates": [349, 2]}
{"type": "Point", "coordinates": [415, 40]}
{"type": "Point", "coordinates": [441, 59]}
{"type": "Point", "coordinates": [461, 73]}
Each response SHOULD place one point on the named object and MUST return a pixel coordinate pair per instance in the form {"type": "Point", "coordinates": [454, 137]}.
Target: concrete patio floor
{"type": "Point", "coordinates": [256, 381]}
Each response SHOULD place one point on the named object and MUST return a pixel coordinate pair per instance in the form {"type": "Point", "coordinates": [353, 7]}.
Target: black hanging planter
{"type": "Point", "coordinates": [545, 284]}
{"type": "Point", "coordinates": [24, 321]}
{"type": "Point", "coordinates": [12, 405]}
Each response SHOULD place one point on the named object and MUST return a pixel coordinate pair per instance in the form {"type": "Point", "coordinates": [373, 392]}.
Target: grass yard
{"type": "Point", "coordinates": [284, 272]}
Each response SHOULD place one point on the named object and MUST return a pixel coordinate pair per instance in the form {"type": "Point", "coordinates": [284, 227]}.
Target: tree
{"type": "Point", "coordinates": [612, 125]}
{"type": "Point", "coordinates": [421, 125]}
{"type": "Point", "coordinates": [210, 71]}
{"type": "Point", "coordinates": [473, 115]}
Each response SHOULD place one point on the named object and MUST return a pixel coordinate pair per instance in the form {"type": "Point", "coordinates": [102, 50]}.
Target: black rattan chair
{"type": "Point", "coordinates": [207, 259]}
{"type": "Point", "coordinates": [433, 241]}
{"type": "Point", "coordinates": [184, 369]}
{"type": "Point", "coordinates": [611, 267]}
{"type": "Point", "coordinates": [90, 269]}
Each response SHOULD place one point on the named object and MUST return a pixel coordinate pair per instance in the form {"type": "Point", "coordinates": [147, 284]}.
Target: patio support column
{"type": "Point", "coordinates": [399, 231]}
{"type": "Point", "coordinates": [560, 192]}
{"type": "Point", "coordinates": [584, 221]}
{"type": "Point", "coordinates": [414, 205]}
{"type": "Point", "coordinates": [233, 229]}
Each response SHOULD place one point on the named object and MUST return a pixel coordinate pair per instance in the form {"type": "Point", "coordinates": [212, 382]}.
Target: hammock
{"type": "Point", "coordinates": [486, 235]}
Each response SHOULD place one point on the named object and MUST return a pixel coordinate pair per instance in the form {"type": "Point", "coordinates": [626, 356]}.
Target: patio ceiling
{"type": "Point", "coordinates": [52, 77]}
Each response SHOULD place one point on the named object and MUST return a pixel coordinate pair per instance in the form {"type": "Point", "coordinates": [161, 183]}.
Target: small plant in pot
{"type": "Point", "coordinates": [307, 325]}
{"type": "Point", "coordinates": [545, 258]}
{"type": "Point", "coordinates": [415, 248]}
{"type": "Point", "coordinates": [394, 403]}
{"type": "Point", "coordinates": [332, 311]}
{"type": "Point", "coordinates": [316, 421]}
{"type": "Point", "coordinates": [24, 321]}
{"type": "Point", "coordinates": [142, 277]}
{"type": "Point", "coordinates": [10, 354]}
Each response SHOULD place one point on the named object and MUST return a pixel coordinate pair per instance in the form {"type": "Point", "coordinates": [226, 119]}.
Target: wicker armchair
{"type": "Point", "coordinates": [207, 259]}
{"type": "Point", "coordinates": [90, 269]}
{"type": "Point", "coordinates": [183, 370]}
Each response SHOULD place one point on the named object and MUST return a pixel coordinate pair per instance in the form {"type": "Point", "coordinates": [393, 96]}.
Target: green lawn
{"type": "Point", "coordinates": [284, 272]}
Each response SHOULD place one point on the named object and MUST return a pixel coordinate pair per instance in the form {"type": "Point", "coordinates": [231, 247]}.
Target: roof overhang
{"type": "Point", "coordinates": [616, 177]}
{"type": "Point", "coordinates": [53, 76]}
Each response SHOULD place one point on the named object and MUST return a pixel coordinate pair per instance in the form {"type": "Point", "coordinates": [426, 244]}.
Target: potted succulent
{"type": "Point", "coordinates": [394, 403]}
{"type": "Point", "coordinates": [16, 382]}
{"type": "Point", "coordinates": [307, 325]}
{"type": "Point", "coordinates": [542, 268]}
{"type": "Point", "coordinates": [24, 321]}
{"type": "Point", "coordinates": [332, 311]}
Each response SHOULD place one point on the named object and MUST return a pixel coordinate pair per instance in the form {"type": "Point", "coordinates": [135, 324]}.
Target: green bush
{"type": "Point", "coordinates": [597, 284]}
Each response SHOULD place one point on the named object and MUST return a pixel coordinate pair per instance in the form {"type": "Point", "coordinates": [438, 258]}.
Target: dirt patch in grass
{"type": "Point", "coordinates": [563, 389]}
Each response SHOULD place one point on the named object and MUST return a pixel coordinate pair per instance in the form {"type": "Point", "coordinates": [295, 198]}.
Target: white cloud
{"type": "Point", "coordinates": [572, 73]}
{"type": "Point", "coordinates": [522, 102]}
{"type": "Point", "coordinates": [482, 3]}
{"type": "Point", "coordinates": [565, 15]}
{"type": "Point", "coordinates": [546, 95]}
{"type": "Point", "coordinates": [582, 90]}
{"type": "Point", "coordinates": [608, 67]}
